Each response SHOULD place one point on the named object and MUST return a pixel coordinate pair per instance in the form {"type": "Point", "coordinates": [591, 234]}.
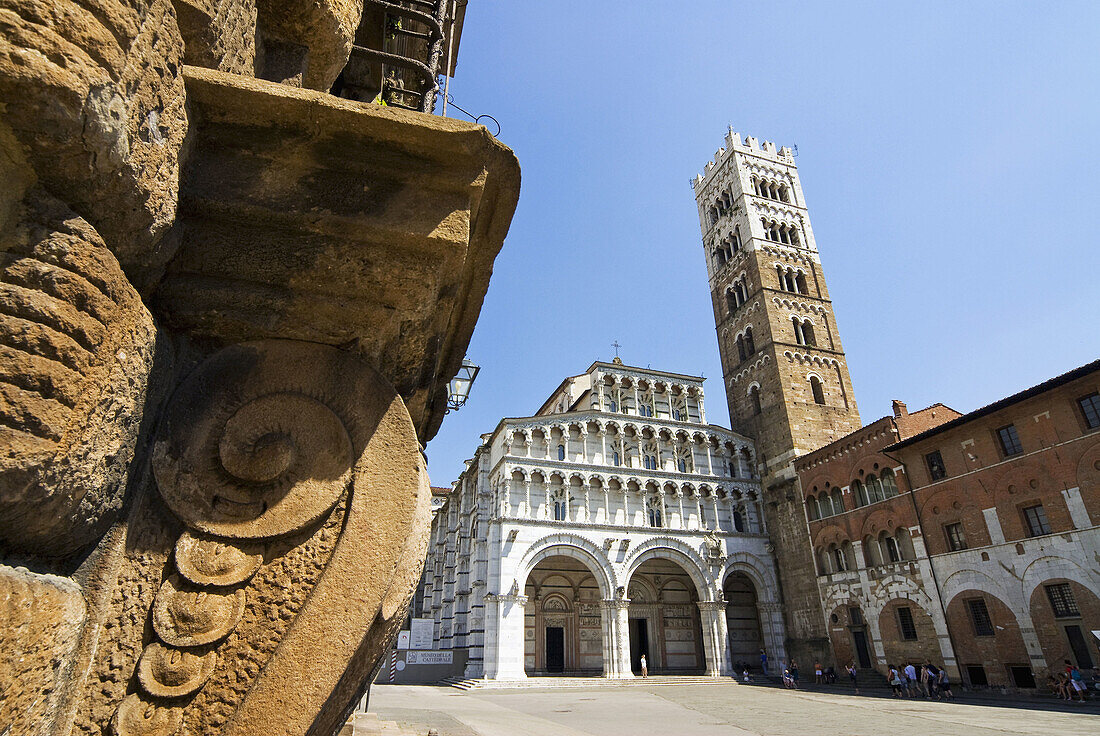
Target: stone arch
{"type": "Point", "coordinates": [1049, 567]}
{"type": "Point", "coordinates": [755, 570]}
{"type": "Point", "coordinates": [970, 579]}
{"type": "Point", "coordinates": [676, 551]}
{"type": "Point", "coordinates": [569, 545]}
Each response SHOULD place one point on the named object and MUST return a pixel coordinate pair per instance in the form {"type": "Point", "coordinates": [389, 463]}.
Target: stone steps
{"type": "Point", "coordinates": [578, 682]}
{"type": "Point", "coordinates": [369, 724]}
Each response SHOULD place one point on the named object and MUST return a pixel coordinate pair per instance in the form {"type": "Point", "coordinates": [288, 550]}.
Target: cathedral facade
{"type": "Point", "coordinates": [611, 524]}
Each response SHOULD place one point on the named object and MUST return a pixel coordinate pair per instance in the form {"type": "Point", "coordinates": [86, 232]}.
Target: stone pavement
{"type": "Point", "coordinates": [726, 709]}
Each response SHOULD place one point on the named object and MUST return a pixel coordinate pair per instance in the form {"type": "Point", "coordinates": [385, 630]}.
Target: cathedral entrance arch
{"type": "Point", "coordinates": [665, 624]}
{"type": "Point", "coordinates": [742, 620]}
{"type": "Point", "coordinates": [563, 633]}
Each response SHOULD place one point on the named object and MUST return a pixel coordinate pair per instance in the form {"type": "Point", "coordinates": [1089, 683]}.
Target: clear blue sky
{"type": "Point", "coordinates": [948, 153]}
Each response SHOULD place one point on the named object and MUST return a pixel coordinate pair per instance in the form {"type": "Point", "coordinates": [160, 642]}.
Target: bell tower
{"type": "Point", "coordinates": [785, 372]}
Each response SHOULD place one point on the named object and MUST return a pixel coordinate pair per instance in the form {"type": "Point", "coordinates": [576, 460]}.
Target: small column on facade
{"type": "Point", "coordinates": [715, 638]}
{"type": "Point", "coordinates": [504, 618]}
{"type": "Point", "coordinates": [527, 498]}
{"type": "Point", "coordinates": [680, 505]}
{"type": "Point", "coordinates": [603, 446]}
{"type": "Point", "coordinates": [584, 443]}
{"type": "Point", "coordinates": [702, 407]}
{"type": "Point", "coordinates": [615, 616]}
{"type": "Point", "coordinates": [710, 458]}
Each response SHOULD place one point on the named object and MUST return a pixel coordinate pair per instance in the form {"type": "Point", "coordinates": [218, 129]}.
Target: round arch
{"type": "Point", "coordinates": [1050, 567]}
{"type": "Point", "coordinates": [568, 545]}
{"type": "Point", "coordinates": [756, 570]}
{"type": "Point", "coordinates": [676, 551]}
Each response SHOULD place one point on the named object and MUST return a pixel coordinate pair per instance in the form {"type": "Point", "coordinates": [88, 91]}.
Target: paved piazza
{"type": "Point", "coordinates": [714, 710]}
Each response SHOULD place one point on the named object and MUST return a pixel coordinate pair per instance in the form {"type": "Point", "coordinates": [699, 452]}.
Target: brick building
{"type": "Point", "coordinates": [970, 540]}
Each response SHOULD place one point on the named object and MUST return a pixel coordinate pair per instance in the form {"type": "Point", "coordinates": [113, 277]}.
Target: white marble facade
{"type": "Point", "coordinates": [615, 514]}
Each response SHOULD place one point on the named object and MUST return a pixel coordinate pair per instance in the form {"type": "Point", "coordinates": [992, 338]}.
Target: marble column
{"type": "Point", "coordinates": [614, 614]}
{"type": "Point", "coordinates": [504, 643]}
{"type": "Point", "coordinates": [715, 638]}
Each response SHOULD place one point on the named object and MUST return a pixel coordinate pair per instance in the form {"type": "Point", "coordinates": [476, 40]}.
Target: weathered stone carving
{"type": "Point", "coordinates": [76, 348]}
{"type": "Point", "coordinates": [301, 279]}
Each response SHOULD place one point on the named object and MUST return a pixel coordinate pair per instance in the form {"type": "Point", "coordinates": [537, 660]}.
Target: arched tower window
{"type": "Point", "coordinates": [561, 452]}
{"type": "Point", "coordinates": [754, 398]}
{"type": "Point", "coordinates": [654, 512]}
{"type": "Point", "coordinates": [800, 282]}
{"type": "Point", "coordinates": [750, 346]}
{"type": "Point", "coordinates": [889, 483]}
{"type": "Point", "coordinates": [817, 390]}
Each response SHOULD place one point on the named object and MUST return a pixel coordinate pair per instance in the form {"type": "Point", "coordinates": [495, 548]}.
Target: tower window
{"type": "Point", "coordinates": [750, 346]}
{"type": "Point", "coordinates": [754, 398]}
{"type": "Point", "coordinates": [1090, 408]}
{"type": "Point", "coordinates": [979, 617]}
{"type": "Point", "coordinates": [1062, 601]}
{"type": "Point", "coordinates": [616, 460]}
{"type": "Point", "coordinates": [561, 452]}
{"type": "Point", "coordinates": [934, 461]}
{"type": "Point", "coordinates": [1010, 440]}
{"type": "Point", "coordinates": [800, 282]}
{"type": "Point", "coordinates": [559, 511]}
{"type": "Point", "coordinates": [905, 623]}
{"type": "Point", "coordinates": [816, 389]}
{"type": "Point", "coordinates": [956, 537]}
{"type": "Point", "coordinates": [1035, 519]}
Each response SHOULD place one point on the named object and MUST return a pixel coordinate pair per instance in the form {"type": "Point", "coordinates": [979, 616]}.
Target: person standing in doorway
{"type": "Point", "coordinates": [852, 673]}
{"type": "Point", "coordinates": [645, 669]}
{"type": "Point", "coordinates": [819, 673]}
{"type": "Point", "coordinates": [764, 661]}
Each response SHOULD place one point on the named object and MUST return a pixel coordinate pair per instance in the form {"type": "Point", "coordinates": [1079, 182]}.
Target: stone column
{"type": "Point", "coordinates": [615, 616]}
{"type": "Point", "coordinates": [772, 631]}
{"type": "Point", "coordinates": [527, 498]}
{"type": "Point", "coordinates": [504, 643]}
{"type": "Point", "coordinates": [710, 458]}
{"type": "Point", "coordinates": [715, 638]}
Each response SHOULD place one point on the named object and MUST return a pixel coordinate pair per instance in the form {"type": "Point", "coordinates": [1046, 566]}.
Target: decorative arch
{"type": "Point", "coordinates": [970, 579]}
{"type": "Point", "coordinates": [756, 570]}
{"type": "Point", "coordinates": [569, 545]}
{"type": "Point", "coordinates": [1049, 567]}
{"type": "Point", "coordinates": [677, 551]}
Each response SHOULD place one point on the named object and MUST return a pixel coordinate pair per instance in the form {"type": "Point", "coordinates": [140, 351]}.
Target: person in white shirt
{"type": "Point", "coordinates": [911, 685]}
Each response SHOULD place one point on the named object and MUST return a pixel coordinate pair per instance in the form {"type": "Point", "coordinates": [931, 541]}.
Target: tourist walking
{"type": "Point", "coordinates": [912, 687]}
{"type": "Point", "coordinates": [894, 679]}
{"type": "Point", "coordinates": [794, 674]}
{"type": "Point", "coordinates": [945, 685]}
{"type": "Point", "coordinates": [645, 669]}
{"type": "Point", "coordinates": [933, 681]}
{"type": "Point", "coordinates": [1076, 682]}
{"type": "Point", "coordinates": [852, 673]}
{"type": "Point", "coordinates": [764, 661]}
{"type": "Point", "coordinates": [819, 673]}
{"type": "Point", "coordinates": [924, 680]}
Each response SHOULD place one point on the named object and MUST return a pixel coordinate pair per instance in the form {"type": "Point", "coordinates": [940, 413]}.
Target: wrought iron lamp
{"type": "Point", "coordinates": [458, 390]}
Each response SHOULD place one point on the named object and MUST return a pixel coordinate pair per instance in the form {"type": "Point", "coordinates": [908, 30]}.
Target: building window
{"type": "Point", "coordinates": [1010, 440]}
{"type": "Point", "coordinates": [561, 452]}
{"type": "Point", "coordinates": [891, 546]}
{"type": "Point", "coordinates": [935, 465]}
{"type": "Point", "coordinates": [956, 538]}
{"type": "Point", "coordinates": [1035, 518]}
{"type": "Point", "coordinates": [559, 511]}
{"type": "Point", "coordinates": [905, 623]}
{"type": "Point", "coordinates": [838, 557]}
{"type": "Point", "coordinates": [817, 390]}
{"type": "Point", "coordinates": [754, 397]}
{"type": "Point", "coordinates": [616, 459]}
{"type": "Point", "coordinates": [1062, 601]}
{"type": "Point", "coordinates": [859, 493]}
{"type": "Point", "coordinates": [979, 617]}
{"type": "Point", "coordinates": [738, 521]}
{"type": "Point", "coordinates": [683, 465]}
{"type": "Point", "coordinates": [650, 462]}
{"type": "Point", "coordinates": [654, 512]}
{"type": "Point", "coordinates": [645, 410]}
{"type": "Point", "coordinates": [1090, 408]}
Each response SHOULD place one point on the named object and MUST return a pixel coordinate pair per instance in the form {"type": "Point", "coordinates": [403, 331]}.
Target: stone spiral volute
{"type": "Point", "coordinates": [258, 457]}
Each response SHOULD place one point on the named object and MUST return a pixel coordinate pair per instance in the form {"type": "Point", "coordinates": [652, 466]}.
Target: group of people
{"type": "Point", "coordinates": [927, 682]}
{"type": "Point", "coordinates": [1070, 684]}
